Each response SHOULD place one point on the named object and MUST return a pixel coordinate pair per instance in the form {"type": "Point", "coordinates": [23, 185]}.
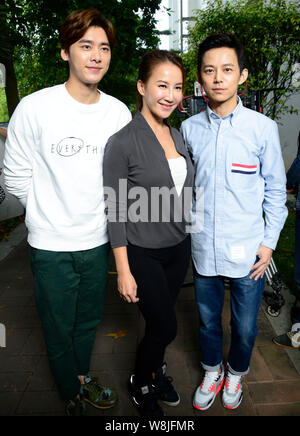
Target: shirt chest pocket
{"type": "Point", "coordinates": [242, 175]}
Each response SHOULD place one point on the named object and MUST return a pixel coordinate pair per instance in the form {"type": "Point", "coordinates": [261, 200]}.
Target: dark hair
{"type": "Point", "coordinates": [78, 22]}
{"type": "Point", "coordinates": [222, 40]}
{"type": "Point", "coordinates": [153, 58]}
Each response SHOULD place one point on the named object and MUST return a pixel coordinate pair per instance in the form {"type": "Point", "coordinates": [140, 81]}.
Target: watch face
{"type": "Point", "coordinates": [296, 75]}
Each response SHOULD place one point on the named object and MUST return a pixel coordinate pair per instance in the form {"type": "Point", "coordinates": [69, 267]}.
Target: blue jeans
{"type": "Point", "coordinates": [245, 301]}
{"type": "Point", "coordinates": [296, 308]}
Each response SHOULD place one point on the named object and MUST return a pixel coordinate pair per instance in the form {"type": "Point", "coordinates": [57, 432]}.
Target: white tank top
{"type": "Point", "coordinates": [179, 171]}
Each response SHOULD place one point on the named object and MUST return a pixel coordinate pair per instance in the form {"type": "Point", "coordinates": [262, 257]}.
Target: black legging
{"type": "Point", "coordinates": [159, 274]}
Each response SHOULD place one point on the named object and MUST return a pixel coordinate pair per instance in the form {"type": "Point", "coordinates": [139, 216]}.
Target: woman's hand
{"type": "Point", "coordinates": [127, 287]}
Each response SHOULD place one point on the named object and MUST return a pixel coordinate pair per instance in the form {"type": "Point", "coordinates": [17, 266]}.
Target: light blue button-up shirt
{"type": "Point", "coordinates": [240, 171]}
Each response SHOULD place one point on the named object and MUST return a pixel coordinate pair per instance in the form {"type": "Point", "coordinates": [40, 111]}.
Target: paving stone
{"type": "Point", "coordinates": [195, 372]}
{"type": "Point", "coordinates": [18, 363]}
{"type": "Point", "coordinates": [44, 402]}
{"type": "Point", "coordinates": [278, 363]}
{"type": "Point", "coordinates": [279, 410]}
{"type": "Point", "coordinates": [113, 361]}
{"type": "Point", "coordinates": [29, 318]}
{"type": "Point", "coordinates": [275, 393]}
{"type": "Point", "coordinates": [103, 343]}
{"type": "Point", "coordinates": [259, 370]}
{"type": "Point", "coordinates": [9, 316]}
{"type": "Point", "coordinates": [15, 341]}
{"type": "Point", "coordinates": [9, 402]}
{"type": "Point", "coordinates": [14, 382]}
{"type": "Point", "coordinates": [35, 343]}
{"type": "Point", "coordinates": [41, 379]}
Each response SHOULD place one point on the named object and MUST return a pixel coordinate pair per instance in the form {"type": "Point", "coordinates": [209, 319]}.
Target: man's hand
{"type": "Point", "coordinates": [259, 268]}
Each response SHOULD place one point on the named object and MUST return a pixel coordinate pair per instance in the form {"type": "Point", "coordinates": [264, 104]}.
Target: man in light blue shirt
{"type": "Point", "coordinates": [239, 167]}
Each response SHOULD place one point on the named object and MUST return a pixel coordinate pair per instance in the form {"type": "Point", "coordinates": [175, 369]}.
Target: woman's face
{"type": "Point", "coordinates": [163, 90]}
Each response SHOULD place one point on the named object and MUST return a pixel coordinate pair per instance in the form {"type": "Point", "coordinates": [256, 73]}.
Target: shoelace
{"type": "Point", "coordinates": [209, 379]}
{"type": "Point", "coordinates": [92, 382]}
{"type": "Point", "coordinates": [232, 383]}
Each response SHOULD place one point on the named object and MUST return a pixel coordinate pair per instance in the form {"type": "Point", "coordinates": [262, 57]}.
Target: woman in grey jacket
{"type": "Point", "coordinates": [148, 177]}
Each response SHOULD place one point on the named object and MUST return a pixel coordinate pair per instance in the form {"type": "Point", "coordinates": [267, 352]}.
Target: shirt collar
{"type": "Point", "coordinates": [211, 116]}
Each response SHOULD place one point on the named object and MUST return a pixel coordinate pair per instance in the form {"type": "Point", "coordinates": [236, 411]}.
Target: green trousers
{"type": "Point", "coordinates": [69, 291]}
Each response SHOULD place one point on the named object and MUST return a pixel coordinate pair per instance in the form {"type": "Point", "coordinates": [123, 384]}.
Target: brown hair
{"type": "Point", "coordinates": [78, 22]}
{"type": "Point", "coordinates": [153, 58]}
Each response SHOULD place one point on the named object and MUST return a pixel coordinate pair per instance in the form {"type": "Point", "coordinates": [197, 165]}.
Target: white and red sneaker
{"type": "Point", "coordinates": [232, 392]}
{"type": "Point", "coordinates": [211, 385]}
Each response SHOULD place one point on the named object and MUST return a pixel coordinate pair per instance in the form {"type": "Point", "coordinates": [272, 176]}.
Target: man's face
{"type": "Point", "coordinates": [220, 75]}
{"type": "Point", "coordinates": [89, 57]}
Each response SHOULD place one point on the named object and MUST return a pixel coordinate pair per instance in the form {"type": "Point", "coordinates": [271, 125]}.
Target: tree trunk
{"type": "Point", "coordinates": [6, 58]}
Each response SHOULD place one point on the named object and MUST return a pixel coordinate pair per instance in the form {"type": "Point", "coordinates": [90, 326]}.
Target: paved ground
{"type": "Point", "coordinates": [26, 384]}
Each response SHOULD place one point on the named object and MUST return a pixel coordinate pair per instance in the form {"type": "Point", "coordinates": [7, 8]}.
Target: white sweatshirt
{"type": "Point", "coordinates": [53, 165]}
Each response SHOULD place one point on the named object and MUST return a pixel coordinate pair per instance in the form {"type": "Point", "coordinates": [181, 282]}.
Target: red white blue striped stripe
{"type": "Point", "coordinates": [243, 169]}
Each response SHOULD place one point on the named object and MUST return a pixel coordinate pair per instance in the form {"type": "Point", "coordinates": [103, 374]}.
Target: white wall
{"type": "Point", "coordinates": [10, 207]}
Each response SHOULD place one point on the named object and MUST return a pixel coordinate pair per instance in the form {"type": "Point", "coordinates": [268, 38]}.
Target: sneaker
{"type": "Point", "coordinates": [145, 398]}
{"type": "Point", "coordinates": [75, 407]}
{"type": "Point", "coordinates": [98, 396]}
{"type": "Point", "coordinates": [290, 340]}
{"type": "Point", "coordinates": [206, 393]}
{"type": "Point", "coordinates": [232, 392]}
{"type": "Point", "coordinates": [164, 388]}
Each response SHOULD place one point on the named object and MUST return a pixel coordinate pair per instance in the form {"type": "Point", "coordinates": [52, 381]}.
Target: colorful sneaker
{"type": "Point", "coordinates": [98, 396]}
{"type": "Point", "coordinates": [232, 392]}
{"type": "Point", "coordinates": [145, 398]}
{"type": "Point", "coordinates": [75, 407]}
{"type": "Point", "coordinates": [206, 393]}
{"type": "Point", "coordinates": [290, 340]}
{"type": "Point", "coordinates": [164, 388]}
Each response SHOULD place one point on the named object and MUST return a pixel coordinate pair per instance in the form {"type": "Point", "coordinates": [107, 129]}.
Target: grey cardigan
{"type": "Point", "coordinates": [143, 207]}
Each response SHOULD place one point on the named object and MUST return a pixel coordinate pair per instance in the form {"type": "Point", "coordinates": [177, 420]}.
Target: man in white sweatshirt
{"type": "Point", "coordinates": [53, 165]}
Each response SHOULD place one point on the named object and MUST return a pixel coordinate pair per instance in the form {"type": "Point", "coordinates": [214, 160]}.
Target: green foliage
{"type": "Point", "coordinates": [270, 31]}
{"type": "Point", "coordinates": [34, 25]}
{"type": "Point", "coordinates": [3, 107]}
{"type": "Point", "coordinates": [285, 251]}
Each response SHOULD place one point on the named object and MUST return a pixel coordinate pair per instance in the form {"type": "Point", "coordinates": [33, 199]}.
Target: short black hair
{"type": "Point", "coordinates": [222, 40]}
